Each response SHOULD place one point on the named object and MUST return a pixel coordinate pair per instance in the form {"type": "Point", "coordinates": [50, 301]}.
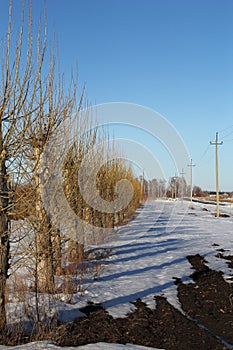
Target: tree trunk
{"type": "Point", "coordinates": [4, 242]}
{"type": "Point", "coordinates": [44, 249]}
{"type": "Point", "coordinates": [75, 251]}
{"type": "Point", "coordinates": [57, 253]}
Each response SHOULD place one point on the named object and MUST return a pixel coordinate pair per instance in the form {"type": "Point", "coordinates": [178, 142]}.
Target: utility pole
{"type": "Point", "coordinates": [191, 165]}
{"type": "Point", "coordinates": [216, 143]}
{"type": "Point", "coordinates": [182, 184]}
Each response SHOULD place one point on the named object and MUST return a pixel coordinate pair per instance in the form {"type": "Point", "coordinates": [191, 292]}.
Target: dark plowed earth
{"type": "Point", "coordinates": [205, 323]}
{"type": "Point", "coordinates": [164, 327]}
{"type": "Point", "coordinates": [209, 300]}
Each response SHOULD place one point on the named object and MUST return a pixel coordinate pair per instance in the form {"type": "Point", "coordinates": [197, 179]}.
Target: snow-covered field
{"type": "Point", "coordinates": [145, 256]}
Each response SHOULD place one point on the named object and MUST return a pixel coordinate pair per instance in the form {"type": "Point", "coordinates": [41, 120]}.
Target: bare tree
{"type": "Point", "coordinates": [32, 104]}
{"type": "Point", "coordinates": [19, 81]}
{"type": "Point", "coordinates": [197, 191]}
{"type": "Point", "coordinates": [54, 108]}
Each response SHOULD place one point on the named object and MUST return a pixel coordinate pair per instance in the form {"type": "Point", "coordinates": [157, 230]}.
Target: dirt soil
{"type": "Point", "coordinates": [206, 320]}
{"type": "Point", "coordinates": [205, 323]}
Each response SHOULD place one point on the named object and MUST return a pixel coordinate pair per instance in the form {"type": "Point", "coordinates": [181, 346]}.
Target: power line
{"type": "Point", "coordinates": [230, 133]}
{"type": "Point", "coordinates": [228, 140]}
{"type": "Point", "coordinates": [203, 155]}
{"type": "Point", "coordinates": [225, 129]}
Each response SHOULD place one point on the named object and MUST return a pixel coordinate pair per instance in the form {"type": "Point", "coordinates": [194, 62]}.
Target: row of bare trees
{"type": "Point", "coordinates": [34, 101]}
{"type": "Point", "coordinates": [176, 187]}
{"type": "Point", "coordinates": [157, 188]}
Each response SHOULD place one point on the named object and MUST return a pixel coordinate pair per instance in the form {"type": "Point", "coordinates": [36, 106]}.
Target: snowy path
{"type": "Point", "coordinates": [152, 249]}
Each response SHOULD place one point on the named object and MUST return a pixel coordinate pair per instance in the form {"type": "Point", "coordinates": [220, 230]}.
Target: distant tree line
{"type": "Point", "coordinates": [176, 187]}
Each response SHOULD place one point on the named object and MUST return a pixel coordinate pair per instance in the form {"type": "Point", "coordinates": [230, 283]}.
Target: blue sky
{"type": "Point", "coordinates": [173, 56]}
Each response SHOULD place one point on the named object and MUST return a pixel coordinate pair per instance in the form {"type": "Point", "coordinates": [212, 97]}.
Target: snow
{"type": "Point", "coordinates": [146, 255]}
{"type": "Point", "coordinates": [44, 345]}
{"type": "Point", "coordinates": [151, 250]}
